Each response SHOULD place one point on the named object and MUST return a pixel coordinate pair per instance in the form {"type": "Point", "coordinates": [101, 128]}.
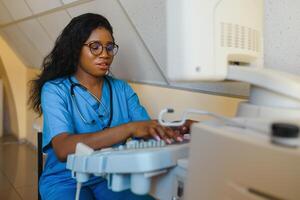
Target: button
{"type": "Point", "coordinates": [121, 147]}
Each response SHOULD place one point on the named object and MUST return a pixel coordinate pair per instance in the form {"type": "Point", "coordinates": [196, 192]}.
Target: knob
{"type": "Point", "coordinates": [285, 134]}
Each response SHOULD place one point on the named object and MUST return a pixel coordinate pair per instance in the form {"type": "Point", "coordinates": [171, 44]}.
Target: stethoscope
{"type": "Point", "coordinates": [84, 88]}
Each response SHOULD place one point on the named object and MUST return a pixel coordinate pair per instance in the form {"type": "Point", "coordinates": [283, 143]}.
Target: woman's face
{"type": "Point", "coordinates": [93, 61]}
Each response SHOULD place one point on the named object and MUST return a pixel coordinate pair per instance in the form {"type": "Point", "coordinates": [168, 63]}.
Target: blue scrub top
{"type": "Point", "coordinates": [61, 115]}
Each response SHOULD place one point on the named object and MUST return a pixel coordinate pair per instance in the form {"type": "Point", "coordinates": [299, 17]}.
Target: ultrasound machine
{"type": "Point", "coordinates": [252, 156]}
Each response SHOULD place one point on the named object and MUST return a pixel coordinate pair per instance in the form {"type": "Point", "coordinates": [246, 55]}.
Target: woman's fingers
{"type": "Point", "coordinates": [167, 134]}
{"type": "Point", "coordinates": [173, 134]}
{"type": "Point", "coordinates": [185, 128]}
{"type": "Point", "coordinates": [162, 134]}
{"type": "Point", "coordinates": [154, 134]}
{"type": "Point", "coordinates": [155, 130]}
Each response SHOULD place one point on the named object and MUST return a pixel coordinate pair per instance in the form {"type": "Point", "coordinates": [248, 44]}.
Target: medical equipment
{"type": "Point", "coordinates": [227, 162]}
{"type": "Point", "coordinates": [205, 36]}
{"type": "Point", "coordinates": [130, 166]}
{"type": "Point", "coordinates": [194, 111]}
{"type": "Point", "coordinates": [73, 85]}
{"type": "Point", "coordinates": [243, 160]}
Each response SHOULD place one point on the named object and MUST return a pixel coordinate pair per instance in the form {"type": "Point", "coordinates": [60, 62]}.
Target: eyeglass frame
{"type": "Point", "coordinates": [103, 47]}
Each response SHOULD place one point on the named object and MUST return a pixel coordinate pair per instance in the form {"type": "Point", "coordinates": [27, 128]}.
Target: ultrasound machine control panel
{"type": "Point", "coordinates": [129, 166]}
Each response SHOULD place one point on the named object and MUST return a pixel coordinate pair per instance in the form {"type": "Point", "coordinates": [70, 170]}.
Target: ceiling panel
{"type": "Point", "coordinates": [68, 1]}
{"type": "Point", "coordinates": [17, 8]}
{"type": "Point", "coordinates": [5, 17]}
{"type": "Point", "coordinates": [22, 46]}
{"type": "Point", "coordinates": [151, 28]}
{"type": "Point", "coordinates": [38, 6]}
{"type": "Point", "coordinates": [133, 61]}
{"type": "Point", "coordinates": [281, 35]}
{"type": "Point", "coordinates": [54, 23]}
{"type": "Point", "coordinates": [37, 35]}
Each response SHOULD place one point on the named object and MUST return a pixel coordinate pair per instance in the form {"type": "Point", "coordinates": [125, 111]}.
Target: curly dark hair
{"type": "Point", "coordinates": [62, 61]}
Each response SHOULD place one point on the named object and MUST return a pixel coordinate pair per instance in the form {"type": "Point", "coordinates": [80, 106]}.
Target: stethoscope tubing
{"type": "Point", "coordinates": [73, 85]}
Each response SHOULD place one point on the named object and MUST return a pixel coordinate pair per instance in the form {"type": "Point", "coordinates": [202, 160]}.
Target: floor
{"type": "Point", "coordinates": [18, 170]}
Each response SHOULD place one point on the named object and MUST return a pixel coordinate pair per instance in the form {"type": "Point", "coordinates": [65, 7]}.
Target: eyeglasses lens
{"type": "Point", "coordinates": [97, 48]}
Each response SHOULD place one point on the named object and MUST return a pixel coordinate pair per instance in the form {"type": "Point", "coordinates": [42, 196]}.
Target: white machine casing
{"type": "Point", "coordinates": [216, 40]}
{"type": "Point", "coordinates": [238, 164]}
{"type": "Point", "coordinates": [204, 37]}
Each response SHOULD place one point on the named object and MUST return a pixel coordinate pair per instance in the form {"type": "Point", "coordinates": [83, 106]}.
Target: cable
{"type": "Point", "coordinates": [195, 111]}
{"type": "Point", "coordinates": [81, 177]}
{"type": "Point", "coordinates": [78, 188]}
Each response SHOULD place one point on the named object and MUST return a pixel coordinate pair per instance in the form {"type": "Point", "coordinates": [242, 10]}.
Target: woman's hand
{"type": "Point", "coordinates": [146, 129]}
{"type": "Point", "coordinates": [185, 128]}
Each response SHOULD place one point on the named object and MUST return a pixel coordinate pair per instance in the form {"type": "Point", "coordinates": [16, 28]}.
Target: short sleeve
{"type": "Point", "coordinates": [57, 118]}
{"type": "Point", "coordinates": [136, 111]}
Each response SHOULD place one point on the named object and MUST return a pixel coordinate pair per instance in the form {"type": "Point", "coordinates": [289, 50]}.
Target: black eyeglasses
{"type": "Point", "coordinates": [96, 48]}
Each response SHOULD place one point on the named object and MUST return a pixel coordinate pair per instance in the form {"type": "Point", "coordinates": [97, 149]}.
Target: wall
{"type": "Point", "coordinates": [15, 72]}
{"type": "Point", "coordinates": [10, 125]}
{"type": "Point", "coordinates": [33, 120]}
{"type": "Point", "coordinates": [155, 98]}
{"type": "Point", "coordinates": [1, 108]}
{"type": "Point", "coordinates": [18, 118]}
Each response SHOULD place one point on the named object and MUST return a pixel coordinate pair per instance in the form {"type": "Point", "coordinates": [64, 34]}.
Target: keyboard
{"type": "Point", "coordinates": [131, 165]}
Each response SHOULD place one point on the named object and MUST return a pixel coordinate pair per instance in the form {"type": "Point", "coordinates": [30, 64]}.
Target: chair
{"type": "Point", "coordinates": [39, 158]}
